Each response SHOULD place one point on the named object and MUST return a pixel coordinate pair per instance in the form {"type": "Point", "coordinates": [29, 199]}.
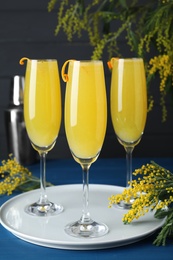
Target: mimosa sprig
{"type": "Point", "coordinates": [152, 191]}
{"type": "Point", "coordinates": [14, 176]}
{"type": "Point", "coordinates": [145, 27]}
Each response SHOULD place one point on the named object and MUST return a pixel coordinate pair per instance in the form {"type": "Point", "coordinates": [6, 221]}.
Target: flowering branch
{"type": "Point", "coordinates": [145, 28]}
{"type": "Point", "coordinates": [14, 176]}
{"type": "Point", "coordinates": [154, 191]}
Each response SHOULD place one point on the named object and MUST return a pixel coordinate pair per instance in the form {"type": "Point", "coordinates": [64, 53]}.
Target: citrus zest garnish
{"type": "Point", "coordinates": [63, 74]}
{"type": "Point", "coordinates": [110, 63]}
{"type": "Point", "coordinates": [21, 62]}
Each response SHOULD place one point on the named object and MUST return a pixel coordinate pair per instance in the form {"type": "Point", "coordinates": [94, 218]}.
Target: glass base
{"type": "Point", "coordinates": [124, 205]}
{"type": "Point", "coordinates": [46, 209]}
{"type": "Point", "coordinates": [90, 229]}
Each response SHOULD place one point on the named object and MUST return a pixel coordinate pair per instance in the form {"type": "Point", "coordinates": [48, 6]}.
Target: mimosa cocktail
{"type": "Point", "coordinates": [85, 125]}
{"type": "Point", "coordinates": [42, 108]}
{"type": "Point", "coordinates": [42, 114]}
{"type": "Point", "coordinates": [128, 101]}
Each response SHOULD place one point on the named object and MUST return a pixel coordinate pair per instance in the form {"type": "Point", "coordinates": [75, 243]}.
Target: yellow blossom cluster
{"type": "Point", "coordinates": [162, 64]}
{"type": "Point", "coordinates": [152, 192]}
{"type": "Point", "coordinates": [12, 175]}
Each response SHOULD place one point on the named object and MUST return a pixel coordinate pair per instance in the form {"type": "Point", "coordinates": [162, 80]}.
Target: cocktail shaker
{"type": "Point", "coordinates": [18, 142]}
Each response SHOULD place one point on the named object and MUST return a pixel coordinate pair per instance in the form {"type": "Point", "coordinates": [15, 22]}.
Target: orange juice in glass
{"type": "Point", "coordinates": [85, 108]}
{"type": "Point", "coordinates": [42, 108]}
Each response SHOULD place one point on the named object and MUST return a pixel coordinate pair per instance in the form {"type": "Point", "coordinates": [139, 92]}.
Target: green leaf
{"type": "Point", "coordinates": [166, 231]}
{"type": "Point", "coordinates": [160, 213]}
{"type": "Point", "coordinates": [123, 3]}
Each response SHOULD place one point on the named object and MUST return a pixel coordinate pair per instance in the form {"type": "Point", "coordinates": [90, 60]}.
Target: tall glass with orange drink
{"type": "Point", "coordinates": [42, 114]}
{"type": "Point", "coordinates": [85, 126]}
{"type": "Point", "coordinates": [128, 100]}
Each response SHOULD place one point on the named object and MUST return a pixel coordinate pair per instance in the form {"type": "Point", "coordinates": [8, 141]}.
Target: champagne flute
{"type": "Point", "coordinates": [42, 114]}
{"type": "Point", "coordinates": [128, 100]}
{"type": "Point", "coordinates": [85, 126]}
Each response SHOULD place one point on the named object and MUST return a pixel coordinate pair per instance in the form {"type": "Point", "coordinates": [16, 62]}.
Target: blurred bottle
{"type": "Point", "coordinates": [17, 139]}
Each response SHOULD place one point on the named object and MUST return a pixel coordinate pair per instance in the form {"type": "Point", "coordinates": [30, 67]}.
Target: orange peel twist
{"type": "Point", "coordinates": [21, 62]}
{"type": "Point", "coordinates": [110, 63]}
{"type": "Point", "coordinates": [63, 74]}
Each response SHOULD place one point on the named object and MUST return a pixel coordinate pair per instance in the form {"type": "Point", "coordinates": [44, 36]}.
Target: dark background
{"type": "Point", "coordinates": [27, 29]}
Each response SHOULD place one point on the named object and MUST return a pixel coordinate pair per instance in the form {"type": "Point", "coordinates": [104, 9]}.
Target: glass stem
{"type": "Point", "coordinates": [129, 151]}
{"type": "Point", "coordinates": [85, 199]}
{"type": "Point", "coordinates": [43, 196]}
